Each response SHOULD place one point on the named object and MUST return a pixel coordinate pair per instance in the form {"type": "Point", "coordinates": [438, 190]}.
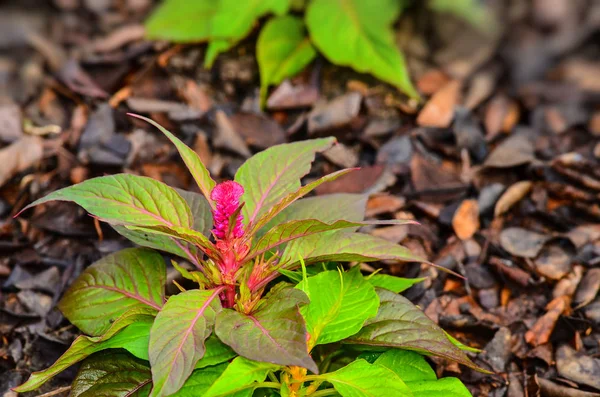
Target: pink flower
{"type": "Point", "coordinates": [226, 196]}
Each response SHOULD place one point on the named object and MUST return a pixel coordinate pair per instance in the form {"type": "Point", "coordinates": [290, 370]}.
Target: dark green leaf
{"type": "Point", "coordinates": [177, 338]}
{"type": "Point", "coordinates": [127, 279]}
{"type": "Point", "coordinates": [272, 174]}
{"type": "Point", "coordinates": [393, 283]}
{"type": "Point", "coordinates": [185, 234]}
{"type": "Point", "coordinates": [200, 381]}
{"type": "Point", "coordinates": [401, 324]}
{"type": "Point", "coordinates": [216, 352]}
{"type": "Point", "coordinates": [190, 158]}
{"type": "Point", "coordinates": [360, 35]}
{"type": "Point", "coordinates": [340, 303]}
{"type": "Point", "coordinates": [125, 332]}
{"type": "Point", "coordinates": [282, 50]}
{"type": "Point", "coordinates": [112, 373]}
{"type": "Point", "coordinates": [276, 333]}
{"type": "Point", "coordinates": [242, 374]}
{"type": "Point", "coordinates": [296, 229]}
{"type": "Point", "coordinates": [361, 379]}
{"type": "Point", "coordinates": [342, 246]}
{"type": "Point", "coordinates": [126, 199]}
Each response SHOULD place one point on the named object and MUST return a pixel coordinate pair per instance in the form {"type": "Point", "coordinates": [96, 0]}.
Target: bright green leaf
{"type": "Point", "coordinates": [282, 50]}
{"type": "Point", "coordinates": [401, 324]}
{"type": "Point", "coordinates": [393, 283]}
{"type": "Point", "coordinates": [126, 332]}
{"type": "Point", "coordinates": [340, 303]}
{"type": "Point", "coordinates": [409, 366]}
{"type": "Point", "coordinates": [241, 374]}
{"type": "Point", "coordinates": [272, 174]}
{"type": "Point", "coordinates": [112, 373]}
{"type": "Point", "coordinates": [216, 47]}
{"type": "Point", "coordinates": [275, 333]}
{"type": "Point", "coordinates": [126, 199]}
{"type": "Point", "coordinates": [359, 34]}
{"type": "Point", "coordinates": [177, 338]}
{"type": "Point", "coordinates": [361, 379]}
{"type": "Point", "coordinates": [130, 278]}
{"type": "Point", "coordinates": [342, 246]}
{"type": "Point", "coordinates": [200, 381]}
{"type": "Point", "coordinates": [447, 387]}
{"type": "Point", "coordinates": [190, 158]}
{"type": "Point", "coordinates": [183, 20]}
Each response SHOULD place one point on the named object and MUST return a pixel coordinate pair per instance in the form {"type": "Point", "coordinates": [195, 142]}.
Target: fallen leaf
{"type": "Point", "coordinates": [439, 110]}
{"type": "Point", "coordinates": [578, 367]}
{"type": "Point", "coordinates": [227, 137]}
{"type": "Point", "coordinates": [588, 288]}
{"type": "Point", "coordinates": [553, 262]}
{"type": "Point", "coordinates": [511, 196]}
{"type": "Point", "coordinates": [514, 151]}
{"type": "Point", "coordinates": [341, 155]}
{"type": "Point", "coordinates": [288, 96]}
{"type": "Point", "coordinates": [542, 329]}
{"type": "Point", "coordinates": [11, 125]}
{"type": "Point", "coordinates": [258, 131]}
{"type": "Point", "coordinates": [466, 219]}
{"type": "Point", "coordinates": [521, 242]}
{"type": "Point", "coordinates": [337, 113]}
{"type": "Point", "coordinates": [20, 155]}
{"type": "Point", "coordinates": [395, 233]}
{"type": "Point", "coordinates": [383, 203]}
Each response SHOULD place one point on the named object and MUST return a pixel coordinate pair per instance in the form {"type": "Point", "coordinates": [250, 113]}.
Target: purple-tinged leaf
{"type": "Point", "coordinates": [179, 233]}
{"type": "Point", "coordinates": [177, 338]}
{"type": "Point", "coordinates": [328, 208]}
{"type": "Point", "coordinates": [83, 346]}
{"type": "Point", "coordinates": [342, 246]}
{"type": "Point", "coordinates": [190, 158]}
{"type": "Point", "coordinates": [290, 198]}
{"type": "Point", "coordinates": [276, 333]}
{"type": "Point", "coordinates": [401, 324]}
{"type": "Point", "coordinates": [126, 199]}
{"type": "Point", "coordinates": [296, 229]}
{"type": "Point", "coordinates": [272, 174]}
{"type": "Point", "coordinates": [112, 286]}
{"type": "Point", "coordinates": [112, 373]}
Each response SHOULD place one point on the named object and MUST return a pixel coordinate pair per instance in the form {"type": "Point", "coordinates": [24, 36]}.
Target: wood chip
{"type": "Point", "coordinates": [466, 219]}
{"type": "Point", "coordinates": [439, 110]}
{"type": "Point", "coordinates": [511, 196]}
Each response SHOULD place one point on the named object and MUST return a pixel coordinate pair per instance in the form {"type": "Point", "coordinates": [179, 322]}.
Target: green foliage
{"type": "Point", "coordinates": [239, 327]}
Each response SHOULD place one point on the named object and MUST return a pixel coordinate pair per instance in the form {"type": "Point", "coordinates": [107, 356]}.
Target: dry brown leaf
{"type": "Point", "coordinates": [521, 242]}
{"type": "Point", "coordinates": [20, 155]}
{"type": "Point", "coordinates": [466, 219]}
{"type": "Point", "coordinates": [439, 110]}
{"type": "Point", "coordinates": [543, 327]}
{"type": "Point", "coordinates": [432, 81]}
{"type": "Point", "coordinates": [383, 203]}
{"type": "Point", "coordinates": [511, 196]}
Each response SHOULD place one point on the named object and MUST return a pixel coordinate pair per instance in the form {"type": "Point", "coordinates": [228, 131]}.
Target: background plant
{"type": "Point", "coordinates": [256, 320]}
{"type": "Point", "coordinates": [352, 33]}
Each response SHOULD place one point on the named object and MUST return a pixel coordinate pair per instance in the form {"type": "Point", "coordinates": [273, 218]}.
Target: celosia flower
{"type": "Point", "coordinates": [226, 196]}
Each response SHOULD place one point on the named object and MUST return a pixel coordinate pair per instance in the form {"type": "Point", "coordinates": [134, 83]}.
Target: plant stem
{"type": "Point", "coordinates": [272, 376]}
{"type": "Point", "coordinates": [324, 392]}
{"type": "Point", "coordinates": [269, 385]}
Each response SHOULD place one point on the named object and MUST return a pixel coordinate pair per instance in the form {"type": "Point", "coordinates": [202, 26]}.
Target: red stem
{"type": "Point", "coordinates": [228, 299]}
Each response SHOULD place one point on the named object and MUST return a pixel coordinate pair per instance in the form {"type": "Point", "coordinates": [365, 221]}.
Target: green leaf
{"type": "Point", "coordinates": [361, 379]}
{"type": "Point", "coordinates": [348, 207]}
{"type": "Point", "coordinates": [201, 221]}
{"type": "Point", "coordinates": [275, 333]}
{"type": "Point", "coordinates": [290, 198]}
{"type": "Point", "coordinates": [409, 366]}
{"type": "Point", "coordinates": [126, 199]}
{"type": "Point", "coordinates": [240, 375]}
{"type": "Point", "coordinates": [127, 279]}
{"type": "Point", "coordinates": [216, 352]}
{"type": "Point", "coordinates": [177, 338]}
{"type": "Point", "coordinates": [125, 332]}
{"type": "Point", "coordinates": [282, 50]}
{"type": "Point", "coordinates": [200, 381]}
{"type": "Point", "coordinates": [180, 233]}
{"type": "Point", "coordinates": [182, 20]}
{"type": "Point", "coordinates": [216, 47]}
{"type": "Point", "coordinates": [343, 246]}
{"type": "Point", "coordinates": [272, 174]}
{"type": "Point", "coordinates": [112, 373]}
{"type": "Point", "coordinates": [460, 345]}
{"type": "Point", "coordinates": [296, 229]}
{"type": "Point", "coordinates": [190, 158]}
{"type": "Point", "coordinates": [393, 283]}
{"type": "Point", "coordinates": [340, 303]}
{"type": "Point", "coordinates": [235, 19]}
{"type": "Point", "coordinates": [401, 324]}
{"type": "Point", "coordinates": [447, 387]}
{"type": "Point", "coordinates": [359, 34]}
